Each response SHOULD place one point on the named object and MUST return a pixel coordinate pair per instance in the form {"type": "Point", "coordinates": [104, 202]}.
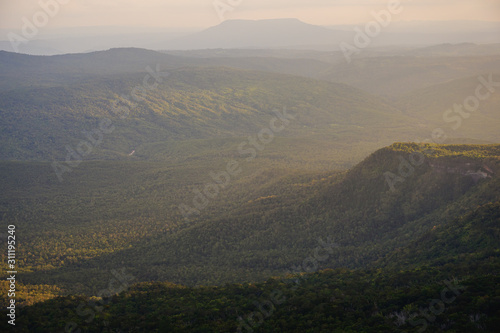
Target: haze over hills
{"type": "Point", "coordinates": [72, 83]}
{"type": "Point", "coordinates": [288, 33]}
{"type": "Point", "coordinates": [438, 105]}
{"type": "Point", "coordinates": [25, 70]}
{"type": "Point", "coordinates": [53, 41]}
{"type": "Point", "coordinates": [278, 33]}
{"type": "Point", "coordinates": [295, 34]}
{"type": "Point", "coordinates": [372, 71]}
{"type": "Point", "coordinates": [460, 49]}
{"type": "Point", "coordinates": [194, 104]}
{"type": "Point", "coordinates": [245, 179]}
{"type": "Point", "coordinates": [394, 75]}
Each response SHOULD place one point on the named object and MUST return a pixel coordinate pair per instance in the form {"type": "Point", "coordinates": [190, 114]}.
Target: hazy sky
{"type": "Point", "coordinates": [201, 13]}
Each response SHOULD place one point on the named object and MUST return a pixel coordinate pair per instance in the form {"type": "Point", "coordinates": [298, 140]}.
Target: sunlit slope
{"type": "Point", "coordinates": [267, 223]}
{"type": "Point", "coordinates": [440, 244]}
{"type": "Point", "coordinates": [191, 103]}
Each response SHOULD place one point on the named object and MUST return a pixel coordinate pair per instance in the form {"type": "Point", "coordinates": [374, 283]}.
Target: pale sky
{"type": "Point", "coordinates": [201, 13]}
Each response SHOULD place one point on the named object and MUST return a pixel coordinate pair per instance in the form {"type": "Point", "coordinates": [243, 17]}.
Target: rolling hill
{"type": "Point", "coordinates": [189, 104]}
{"type": "Point", "coordinates": [210, 184]}
{"type": "Point", "coordinates": [20, 70]}
{"type": "Point", "coordinates": [393, 76]}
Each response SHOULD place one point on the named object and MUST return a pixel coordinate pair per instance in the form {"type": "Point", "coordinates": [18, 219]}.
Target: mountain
{"type": "Point", "coordinates": [394, 75]}
{"type": "Point", "coordinates": [206, 191]}
{"type": "Point", "coordinates": [372, 70]}
{"type": "Point", "coordinates": [471, 238]}
{"type": "Point", "coordinates": [259, 227]}
{"type": "Point", "coordinates": [189, 104]}
{"type": "Point", "coordinates": [414, 34]}
{"type": "Point", "coordinates": [19, 70]}
{"type": "Point", "coordinates": [381, 254]}
{"type": "Point", "coordinates": [432, 32]}
{"type": "Point", "coordinates": [460, 49]}
{"type": "Point", "coordinates": [274, 33]}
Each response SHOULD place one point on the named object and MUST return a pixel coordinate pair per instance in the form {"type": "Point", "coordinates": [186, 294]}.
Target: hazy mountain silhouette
{"type": "Point", "coordinates": [260, 34]}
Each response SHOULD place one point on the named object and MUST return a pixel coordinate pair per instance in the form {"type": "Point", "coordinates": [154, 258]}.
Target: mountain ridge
{"type": "Point", "coordinates": [223, 102]}
{"type": "Point", "coordinates": [358, 210]}
{"type": "Point", "coordinates": [270, 33]}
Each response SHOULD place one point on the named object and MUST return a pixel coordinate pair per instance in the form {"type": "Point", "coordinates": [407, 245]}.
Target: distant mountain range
{"type": "Point", "coordinates": [219, 166]}
{"type": "Point", "coordinates": [46, 102]}
{"type": "Point", "coordinates": [281, 33]}
{"type": "Point", "coordinates": [250, 34]}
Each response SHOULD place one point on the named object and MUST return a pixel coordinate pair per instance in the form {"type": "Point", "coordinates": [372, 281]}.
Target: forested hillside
{"type": "Point", "coordinates": [218, 105]}
{"type": "Point", "coordinates": [438, 224]}
{"type": "Point", "coordinates": [267, 191]}
{"type": "Point", "coordinates": [50, 103]}
{"type": "Point", "coordinates": [251, 230]}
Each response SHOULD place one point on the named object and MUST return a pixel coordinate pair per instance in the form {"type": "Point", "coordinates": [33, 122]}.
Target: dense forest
{"type": "Point", "coordinates": [270, 191]}
{"type": "Point", "coordinates": [390, 249]}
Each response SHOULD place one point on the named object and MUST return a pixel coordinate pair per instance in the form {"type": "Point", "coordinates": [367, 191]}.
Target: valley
{"type": "Point", "coordinates": [252, 190]}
